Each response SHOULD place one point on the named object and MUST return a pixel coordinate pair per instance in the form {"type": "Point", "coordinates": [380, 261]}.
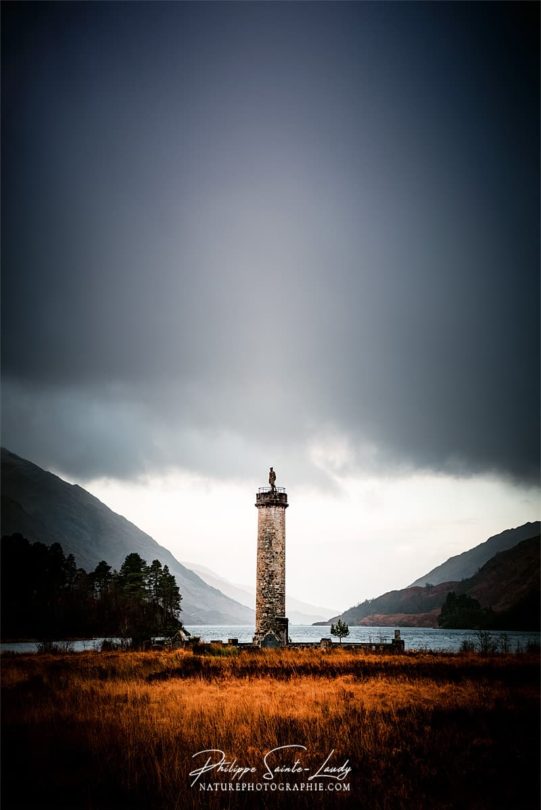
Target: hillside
{"type": "Point", "coordinates": [469, 562]}
{"type": "Point", "coordinates": [297, 611]}
{"type": "Point", "coordinates": [421, 604]}
{"type": "Point", "coordinates": [43, 507]}
{"type": "Point", "coordinates": [508, 583]}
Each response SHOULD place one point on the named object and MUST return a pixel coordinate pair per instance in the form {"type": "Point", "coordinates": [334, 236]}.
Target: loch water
{"type": "Point", "coordinates": [415, 638]}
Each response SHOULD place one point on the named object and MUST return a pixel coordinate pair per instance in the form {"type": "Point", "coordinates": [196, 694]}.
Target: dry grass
{"type": "Point", "coordinates": [100, 730]}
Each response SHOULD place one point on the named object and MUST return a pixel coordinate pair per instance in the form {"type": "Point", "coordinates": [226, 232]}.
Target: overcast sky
{"type": "Point", "coordinates": [298, 234]}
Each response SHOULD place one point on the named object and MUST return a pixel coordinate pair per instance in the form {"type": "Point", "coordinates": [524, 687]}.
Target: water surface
{"type": "Point", "coordinates": [416, 638]}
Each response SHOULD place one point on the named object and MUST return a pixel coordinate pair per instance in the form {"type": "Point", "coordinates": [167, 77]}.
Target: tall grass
{"type": "Point", "coordinates": [104, 730]}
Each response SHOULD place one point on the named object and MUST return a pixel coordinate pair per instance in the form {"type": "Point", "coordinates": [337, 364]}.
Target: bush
{"type": "Point", "coordinates": [487, 645]}
{"type": "Point", "coordinates": [54, 647]}
{"type": "Point", "coordinates": [463, 612]}
{"type": "Point", "coordinates": [109, 646]}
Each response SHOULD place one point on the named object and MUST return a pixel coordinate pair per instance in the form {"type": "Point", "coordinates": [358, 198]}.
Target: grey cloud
{"type": "Point", "coordinates": [231, 230]}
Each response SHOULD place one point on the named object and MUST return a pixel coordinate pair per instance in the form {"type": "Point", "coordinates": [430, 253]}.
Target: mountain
{"type": "Point", "coordinates": [469, 562]}
{"type": "Point", "coordinates": [508, 583]}
{"type": "Point", "coordinates": [43, 507]}
{"type": "Point", "coordinates": [409, 607]}
{"type": "Point", "coordinates": [297, 611]}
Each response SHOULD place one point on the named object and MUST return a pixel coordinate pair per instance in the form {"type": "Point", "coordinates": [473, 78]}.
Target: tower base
{"type": "Point", "coordinates": [276, 634]}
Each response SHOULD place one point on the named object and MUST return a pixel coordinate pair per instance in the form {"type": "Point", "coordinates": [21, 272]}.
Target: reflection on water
{"type": "Point", "coordinates": [416, 638]}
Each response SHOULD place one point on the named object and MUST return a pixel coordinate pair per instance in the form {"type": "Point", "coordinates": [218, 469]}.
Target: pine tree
{"type": "Point", "coordinates": [340, 629]}
{"type": "Point", "coordinates": [170, 599]}
{"type": "Point", "coordinates": [45, 595]}
{"type": "Point", "coordinates": [101, 578]}
{"type": "Point", "coordinates": [155, 572]}
{"type": "Point", "coordinates": [136, 619]}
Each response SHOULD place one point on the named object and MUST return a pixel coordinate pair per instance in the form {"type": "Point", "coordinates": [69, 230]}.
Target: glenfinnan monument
{"type": "Point", "coordinates": [271, 625]}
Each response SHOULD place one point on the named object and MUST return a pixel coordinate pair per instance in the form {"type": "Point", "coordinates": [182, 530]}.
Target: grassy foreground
{"type": "Point", "coordinates": [114, 730]}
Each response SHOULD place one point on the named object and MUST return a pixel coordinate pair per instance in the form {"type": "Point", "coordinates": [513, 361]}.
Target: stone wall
{"type": "Point", "coordinates": [271, 567]}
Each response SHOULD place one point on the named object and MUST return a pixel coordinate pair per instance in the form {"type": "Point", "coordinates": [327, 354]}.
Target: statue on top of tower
{"type": "Point", "coordinates": [272, 480]}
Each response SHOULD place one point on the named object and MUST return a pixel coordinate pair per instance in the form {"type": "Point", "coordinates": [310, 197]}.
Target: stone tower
{"type": "Point", "coordinates": [271, 625]}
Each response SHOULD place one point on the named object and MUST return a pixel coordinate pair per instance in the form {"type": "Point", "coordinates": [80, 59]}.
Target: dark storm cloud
{"type": "Point", "coordinates": [236, 230]}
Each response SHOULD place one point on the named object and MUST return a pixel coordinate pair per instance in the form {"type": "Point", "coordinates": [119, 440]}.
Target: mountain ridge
{"type": "Point", "coordinates": [508, 583]}
{"type": "Point", "coordinates": [297, 611]}
{"type": "Point", "coordinates": [467, 563]}
{"type": "Point", "coordinates": [91, 531]}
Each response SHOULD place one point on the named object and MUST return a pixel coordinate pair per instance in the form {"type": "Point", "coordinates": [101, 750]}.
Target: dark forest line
{"type": "Point", "coordinates": [45, 596]}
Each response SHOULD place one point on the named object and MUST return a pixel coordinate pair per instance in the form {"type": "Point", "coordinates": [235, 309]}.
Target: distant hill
{"type": "Point", "coordinates": [508, 583]}
{"type": "Point", "coordinates": [469, 562]}
{"type": "Point", "coordinates": [297, 612]}
{"type": "Point", "coordinates": [43, 507]}
{"type": "Point", "coordinates": [409, 607]}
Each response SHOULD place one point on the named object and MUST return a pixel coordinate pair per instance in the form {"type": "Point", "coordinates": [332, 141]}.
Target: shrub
{"type": "Point", "coordinates": [486, 643]}
{"type": "Point", "coordinates": [54, 647]}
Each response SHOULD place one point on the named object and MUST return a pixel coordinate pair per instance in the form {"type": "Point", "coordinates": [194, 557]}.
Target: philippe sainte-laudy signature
{"type": "Point", "coordinates": [283, 760]}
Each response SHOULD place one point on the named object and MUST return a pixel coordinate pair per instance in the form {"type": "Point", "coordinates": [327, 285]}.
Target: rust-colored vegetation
{"type": "Point", "coordinates": [115, 730]}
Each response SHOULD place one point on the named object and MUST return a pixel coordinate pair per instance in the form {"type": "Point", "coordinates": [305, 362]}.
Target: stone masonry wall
{"type": "Point", "coordinates": [271, 565]}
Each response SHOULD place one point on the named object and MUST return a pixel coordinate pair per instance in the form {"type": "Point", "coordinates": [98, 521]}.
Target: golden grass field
{"type": "Point", "coordinates": [114, 730]}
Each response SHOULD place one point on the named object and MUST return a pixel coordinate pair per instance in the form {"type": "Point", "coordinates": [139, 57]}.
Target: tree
{"type": "Point", "coordinates": [169, 597]}
{"type": "Point", "coordinates": [462, 612]}
{"type": "Point", "coordinates": [132, 576]}
{"type": "Point", "coordinates": [101, 578]}
{"type": "Point", "coordinates": [164, 596]}
{"type": "Point", "coordinates": [44, 595]}
{"type": "Point", "coordinates": [133, 602]}
{"type": "Point", "coordinates": [340, 629]}
{"type": "Point", "coordinates": [154, 576]}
